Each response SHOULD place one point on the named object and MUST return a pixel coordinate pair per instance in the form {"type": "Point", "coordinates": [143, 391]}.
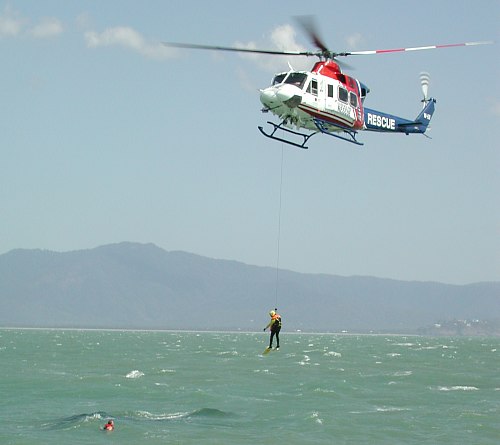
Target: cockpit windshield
{"type": "Point", "coordinates": [297, 79]}
{"type": "Point", "coordinates": [279, 78]}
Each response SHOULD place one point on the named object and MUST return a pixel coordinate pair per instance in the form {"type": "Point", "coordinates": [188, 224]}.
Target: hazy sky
{"type": "Point", "coordinates": [108, 136]}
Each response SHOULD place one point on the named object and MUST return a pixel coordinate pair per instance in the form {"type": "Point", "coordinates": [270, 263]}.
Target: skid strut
{"type": "Point", "coordinates": [349, 134]}
{"type": "Point", "coordinates": [305, 137]}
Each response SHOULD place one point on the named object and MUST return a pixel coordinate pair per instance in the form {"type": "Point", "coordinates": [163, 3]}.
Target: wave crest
{"type": "Point", "coordinates": [135, 374]}
{"type": "Point", "coordinates": [75, 420]}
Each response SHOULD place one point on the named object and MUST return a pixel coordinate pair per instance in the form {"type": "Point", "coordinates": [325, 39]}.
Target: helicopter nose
{"type": "Point", "coordinates": [268, 97]}
{"type": "Point", "coordinates": [290, 95]}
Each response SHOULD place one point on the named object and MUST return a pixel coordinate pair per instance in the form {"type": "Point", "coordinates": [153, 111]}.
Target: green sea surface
{"type": "Point", "coordinates": [60, 387]}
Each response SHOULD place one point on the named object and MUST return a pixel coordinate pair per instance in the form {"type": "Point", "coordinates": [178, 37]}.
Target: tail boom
{"type": "Point", "coordinates": [389, 123]}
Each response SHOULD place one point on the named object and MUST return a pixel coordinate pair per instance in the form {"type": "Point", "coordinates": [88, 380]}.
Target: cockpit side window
{"type": "Point", "coordinates": [313, 87]}
{"type": "Point", "coordinates": [297, 79]}
{"type": "Point", "coordinates": [353, 99]}
{"type": "Point", "coordinates": [343, 94]}
{"type": "Point", "coordinates": [279, 78]}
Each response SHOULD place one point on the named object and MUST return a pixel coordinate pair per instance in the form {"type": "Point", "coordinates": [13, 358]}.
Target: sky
{"type": "Point", "coordinates": [106, 135]}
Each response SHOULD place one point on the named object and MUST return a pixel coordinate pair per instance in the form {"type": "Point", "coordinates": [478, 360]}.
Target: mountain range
{"type": "Point", "coordinates": [141, 286]}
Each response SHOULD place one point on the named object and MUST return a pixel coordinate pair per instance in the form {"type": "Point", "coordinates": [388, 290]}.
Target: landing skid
{"type": "Point", "coordinates": [351, 134]}
{"type": "Point", "coordinates": [305, 137]}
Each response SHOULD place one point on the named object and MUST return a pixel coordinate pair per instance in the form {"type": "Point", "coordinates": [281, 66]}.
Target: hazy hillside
{"type": "Point", "coordinates": [131, 285]}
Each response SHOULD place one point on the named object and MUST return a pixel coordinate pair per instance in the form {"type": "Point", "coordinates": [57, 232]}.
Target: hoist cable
{"type": "Point", "coordinates": [279, 229]}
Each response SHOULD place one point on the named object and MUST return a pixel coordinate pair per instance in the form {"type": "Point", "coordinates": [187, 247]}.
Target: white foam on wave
{"type": "Point", "coordinates": [316, 418]}
{"type": "Point", "coordinates": [382, 409]}
{"type": "Point", "coordinates": [390, 409]}
{"type": "Point", "coordinates": [305, 361]}
{"type": "Point", "coordinates": [332, 354]}
{"type": "Point", "coordinates": [135, 374]}
{"type": "Point", "coordinates": [457, 388]}
{"type": "Point", "coordinates": [227, 353]}
{"type": "Point", "coordinates": [324, 391]}
{"type": "Point", "coordinates": [402, 373]}
{"type": "Point", "coordinates": [165, 416]}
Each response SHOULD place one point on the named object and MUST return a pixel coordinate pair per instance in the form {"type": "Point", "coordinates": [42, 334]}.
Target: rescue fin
{"type": "Point", "coordinates": [425, 116]}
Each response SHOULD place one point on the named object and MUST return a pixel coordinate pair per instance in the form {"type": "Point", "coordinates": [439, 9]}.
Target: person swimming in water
{"type": "Point", "coordinates": [110, 426]}
{"type": "Point", "coordinates": [275, 328]}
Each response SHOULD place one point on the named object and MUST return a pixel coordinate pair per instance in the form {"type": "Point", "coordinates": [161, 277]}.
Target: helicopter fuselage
{"type": "Point", "coordinates": [298, 97]}
{"type": "Point", "coordinates": [328, 101]}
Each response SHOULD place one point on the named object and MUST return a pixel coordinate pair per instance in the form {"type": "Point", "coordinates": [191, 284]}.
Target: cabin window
{"type": "Point", "coordinates": [297, 79]}
{"type": "Point", "coordinates": [353, 99]}
{"type": "Point", "coordinates": [343, 94]}
{"type": "Point", "coordinates": [279, 78]}
{"type": "Point", "coordinates": [313, 87]}
{"type": "Point", "coordinates": [330, 90]}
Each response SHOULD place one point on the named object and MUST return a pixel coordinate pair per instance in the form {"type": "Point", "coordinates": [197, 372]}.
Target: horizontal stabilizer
{"type": "Point", "coordinates": [410, 124]}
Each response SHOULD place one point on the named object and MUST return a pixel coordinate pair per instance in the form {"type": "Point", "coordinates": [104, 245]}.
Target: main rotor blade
{"type": "Point", "coordinates": [241, 50]}
{"type": "Point", "coordinates": [417, 48]}
{"type": "Point", "coordinates": [308, 23]}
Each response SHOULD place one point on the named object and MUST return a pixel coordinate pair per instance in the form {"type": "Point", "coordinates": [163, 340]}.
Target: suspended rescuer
{"type": "Point", "coordinates": [275, 328]}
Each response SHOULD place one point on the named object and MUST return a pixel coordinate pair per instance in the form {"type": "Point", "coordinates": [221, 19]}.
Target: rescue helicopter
{"type": "Point", "coordinates": [325, 100]}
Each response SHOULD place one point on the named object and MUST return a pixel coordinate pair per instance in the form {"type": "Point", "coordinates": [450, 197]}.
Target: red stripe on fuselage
{"type": "Point", "coordinates": [327, 117]}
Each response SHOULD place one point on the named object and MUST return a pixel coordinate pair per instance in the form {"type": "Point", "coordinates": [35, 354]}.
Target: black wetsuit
{"type": "Point", "coordinates": [275, 331]}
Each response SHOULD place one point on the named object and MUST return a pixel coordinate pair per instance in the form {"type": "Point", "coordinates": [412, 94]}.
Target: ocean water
{"type": "Point", "coordinates": [60, 386]}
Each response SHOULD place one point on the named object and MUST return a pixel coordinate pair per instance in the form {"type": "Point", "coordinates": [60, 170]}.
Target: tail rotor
{"type": "Point", "coordinates": [425, 79]}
